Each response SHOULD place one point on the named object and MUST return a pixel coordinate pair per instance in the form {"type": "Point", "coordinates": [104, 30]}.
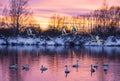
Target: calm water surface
{"type": "Point", "coordinates": [55, 59]}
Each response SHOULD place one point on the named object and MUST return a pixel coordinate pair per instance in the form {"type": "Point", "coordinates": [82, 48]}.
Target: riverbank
{"type": "Point", "coordinates": [64, 40]}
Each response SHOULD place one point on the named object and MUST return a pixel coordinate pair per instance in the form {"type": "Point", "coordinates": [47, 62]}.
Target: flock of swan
{"type": "Point", "coordinates": [67, 71]}
{"type": "Point", "coordinates": [26, 67]}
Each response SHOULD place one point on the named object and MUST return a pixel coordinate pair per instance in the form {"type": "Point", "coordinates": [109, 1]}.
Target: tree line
{"type": "Point", "coordinates": [104, 21]}
{"type": "Point", "coordinates": [19, 18]}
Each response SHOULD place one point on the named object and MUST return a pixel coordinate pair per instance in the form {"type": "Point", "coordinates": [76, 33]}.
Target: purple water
{"type": "Point", "coordinates": [55, 59]}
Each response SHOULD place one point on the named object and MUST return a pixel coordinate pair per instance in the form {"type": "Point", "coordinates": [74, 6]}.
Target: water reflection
{"type": "Point", "coordinates": [55, 59]}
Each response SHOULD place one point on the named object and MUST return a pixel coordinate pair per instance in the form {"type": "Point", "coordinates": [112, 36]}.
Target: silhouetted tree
{"type": "Point", "coordinates": [107, 19]}
{"type": "Point", "coordinates": [114, 15]}
{"type": "Point", "coordinates": [19, 13]}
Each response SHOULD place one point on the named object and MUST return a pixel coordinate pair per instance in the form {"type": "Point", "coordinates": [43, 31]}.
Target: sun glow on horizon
{"type": "Point", "coordinates": [43, 22]}
{"type": "Point", "coordinates": [44, 9]}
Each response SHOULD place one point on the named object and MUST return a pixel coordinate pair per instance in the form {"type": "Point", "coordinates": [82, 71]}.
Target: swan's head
{"type": "Point", "coordinates": [91, 65]}
{"type": "Point", "coordinates": [77, 60]}
{"type": "Point", "coordinates": [27, 64]}
{"type": "Point", "coordinates": [66, 66]}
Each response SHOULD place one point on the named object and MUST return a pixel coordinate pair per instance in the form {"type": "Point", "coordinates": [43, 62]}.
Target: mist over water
{"type": "Point", "coordinates": [55, 59]}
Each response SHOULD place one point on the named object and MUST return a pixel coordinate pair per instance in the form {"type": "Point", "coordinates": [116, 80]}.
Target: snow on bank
{"type": "Point", "coordinates": [61, 40]}
{"type": "Point", "coordinates": [23, 41]}
{"type": "Point", "coordinates": [26, 41]}
{"type": "Point", "coordinates": [2, 41]}
{"type": "Point", "coordinates": [110, 41]}
{"type": "Point", "coordinates": [93, 43]}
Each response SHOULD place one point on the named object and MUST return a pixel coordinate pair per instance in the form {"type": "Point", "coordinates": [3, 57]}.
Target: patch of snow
{"type": "Point", "coordinates": [111, 41]}
{"type": "Point", "coordinates": [59, 41]}
{"type": "Point", "coordinates": [2, 42]}
{"type": "Point", "coordinates": [93, 43]}
{"type": "Point", "coordinates": [50, 42]}
{"type": "Point", "coordinates": [26, 41]}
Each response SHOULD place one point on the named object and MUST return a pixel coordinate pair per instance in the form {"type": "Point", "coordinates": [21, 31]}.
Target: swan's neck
{"type": "Point", "coordinates": [66, 68]}
{"type": "Point", "coordinates": [77, 62]}
{"type": "Point", "coordinates": [42, 66]}
{"type": "Point", "coordinates": [91, 67]}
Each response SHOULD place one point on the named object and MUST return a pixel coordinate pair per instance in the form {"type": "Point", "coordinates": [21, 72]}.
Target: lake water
{"type": "Point", "coordinates": [55, 59]}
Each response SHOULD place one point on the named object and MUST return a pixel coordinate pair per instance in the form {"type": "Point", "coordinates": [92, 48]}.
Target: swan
{"type": "Point", "coordinates": [26, 67]}
{"type": "Point", "coordinates": [92, 70]}
{"type": "Point", "coordinates": [67, 70]}
{"type": "Point", "coordinates": [14, 67]}
{"type": "Point", "coordinates": [75, 65]}
{"type": "Point", "coordinates": [95, 65]}
{"type": "Point", "coordinates": [43, 68]}
{"type": "Point", "coordinates": [106, 64]}
{"type": "Point", "coordinates": [105, 68]}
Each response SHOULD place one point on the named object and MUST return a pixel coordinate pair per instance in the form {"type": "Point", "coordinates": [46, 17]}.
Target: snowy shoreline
{"type": "Point", "coordinates": [76, 40]}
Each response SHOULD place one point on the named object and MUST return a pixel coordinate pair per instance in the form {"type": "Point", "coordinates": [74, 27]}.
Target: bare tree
{"type": "Point", "coordinates": [57, 22]}
{"type": "Point", "coordinates": [114, 15]}
{"type": "Point", "coordinates": [18, 13]}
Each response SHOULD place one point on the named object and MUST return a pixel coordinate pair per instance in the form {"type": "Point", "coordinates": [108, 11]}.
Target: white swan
{"type": "Point", "coordinates": [75, 65]}
{"type": "Point", "coordinates": [105, 68]}
{"type": "Point", "coordinates": [95, 65]}
{"type": "Point", "coordinates": [43, 68]}
{"type": "Point", "coordinates": [67, 70]}
{"type": "Point", "coordinates": [14, 67]}
{"type": "Point", "coordinates": [92, 70]}
{"type": "Point", "coordinates": [26, 67]}
{"type": "Point", "coordinates": [106, 64]}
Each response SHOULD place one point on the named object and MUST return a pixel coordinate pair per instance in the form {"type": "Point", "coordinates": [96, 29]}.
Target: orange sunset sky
{"type": "Point", "coordinates": [44, 9]}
